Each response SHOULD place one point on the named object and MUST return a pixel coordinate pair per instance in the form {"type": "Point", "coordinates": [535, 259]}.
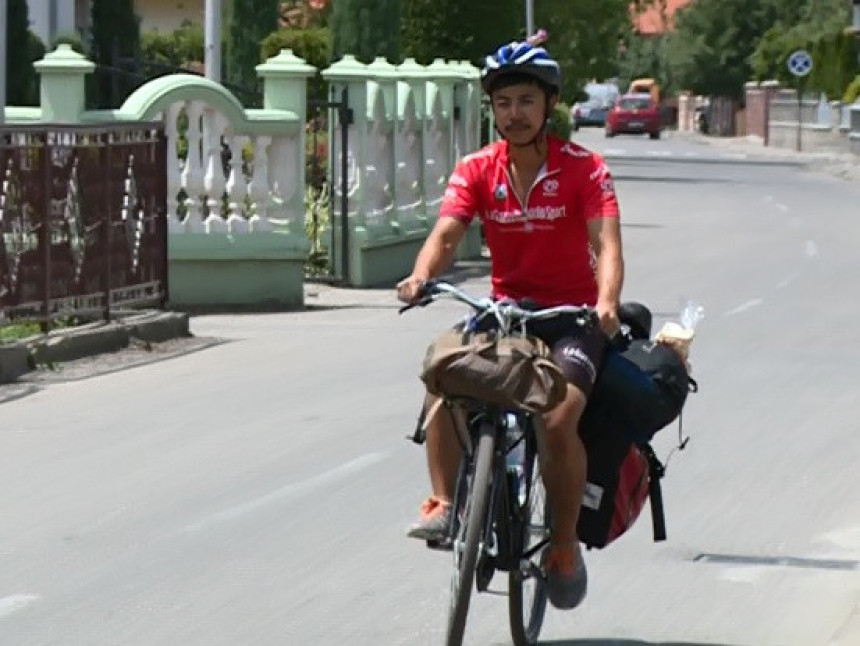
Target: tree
{"type": "Point", "coordinates": [585, 38]}
{"type": "Point", "coordinates": [366, 29]}
{"type": "Point", "coordinates": [23, 48]}
{"type": "Point", "coordinates": [248, 23]}
{"type": "Point", "coordinates": [821, 31]}
{"type": "Point", "coordinates": [712, 48]}
{"type": "Point", "coordinates": [457, 30]}
{"type": "Point", "coordinates": [115, 43]}
{"type": "Point", "coordinates": [646, 57]}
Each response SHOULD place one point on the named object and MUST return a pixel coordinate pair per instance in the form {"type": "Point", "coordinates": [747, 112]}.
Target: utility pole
{"type": "Point", "coordinates": [4, 22]}
{"type": "Point", "coordinates": [213, 40]}
{"type": "Point", "coordinates": [530, 18]}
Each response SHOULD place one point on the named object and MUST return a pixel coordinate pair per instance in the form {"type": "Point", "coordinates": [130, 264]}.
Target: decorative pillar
{"type": "Point", "coordinates": [285, 87]}
{"type": "Point", "coordinates": [63, 96]}
{"type": "Point", "coordinates": [349, 78]}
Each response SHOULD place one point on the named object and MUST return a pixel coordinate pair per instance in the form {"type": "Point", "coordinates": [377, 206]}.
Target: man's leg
{"type": "Point", "coordinates": [443, 463]}
{"type": "Point", "coordinates": [443, 452]}
{"type": "Point", "coordinates": [564, 465]}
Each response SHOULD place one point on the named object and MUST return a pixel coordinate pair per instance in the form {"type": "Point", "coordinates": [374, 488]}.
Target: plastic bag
{"type": "Point", "coordinates": [679, 334]}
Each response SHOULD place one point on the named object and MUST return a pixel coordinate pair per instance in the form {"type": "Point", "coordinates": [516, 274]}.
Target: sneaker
{"type": "Point", "coordinates": [433, 523]}
{"type": "Point", "coordinates": [566, 577]}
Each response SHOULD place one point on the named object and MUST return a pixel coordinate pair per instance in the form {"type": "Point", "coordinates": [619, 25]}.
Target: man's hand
{"type": "Point", "coordinates": [607, 314]}
{"type": "Point", "coordinates": [408, 288]}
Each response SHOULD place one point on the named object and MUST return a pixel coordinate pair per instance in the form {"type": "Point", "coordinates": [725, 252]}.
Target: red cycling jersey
{"type": "Point", "coordinates": [540, 251]}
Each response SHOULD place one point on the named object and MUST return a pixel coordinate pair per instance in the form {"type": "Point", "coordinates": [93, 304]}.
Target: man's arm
{"type": "Point", "coordinates": [435, 257]}
{"type": "Point", "coordinates": [438, 251]}
{"type": "Point", "coordinates": [605, 237]}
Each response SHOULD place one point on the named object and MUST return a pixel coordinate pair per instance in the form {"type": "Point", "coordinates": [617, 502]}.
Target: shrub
{"type": "Point", "coordinates": [852, 93]}
{"type": "Point", "coordinates": [72, 39]}
{"type": "Point", "coordinates": [182, 46]}
{"type": "Point", "coordinates": [23, 47]}
{"type": "Point", "coordinates": [560, 124]}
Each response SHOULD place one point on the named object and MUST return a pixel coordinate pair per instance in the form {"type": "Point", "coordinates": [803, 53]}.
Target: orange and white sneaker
{"type": "Point", "coordinates": [433, 522]}
{"type": "Point", "coordinates": [566, 577]}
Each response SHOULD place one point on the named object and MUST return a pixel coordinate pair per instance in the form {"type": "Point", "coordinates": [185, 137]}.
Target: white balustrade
{"type": "Point", "coordinates": [214, 182]}
{"type": "Point", "coordinates": [174, 183]}
{"type": "Point", "coordinates": [237, 187]}
{"type": "Point", "coordinates": [258, 189]}
{"type": "Point", "coordinates": [192, 172]}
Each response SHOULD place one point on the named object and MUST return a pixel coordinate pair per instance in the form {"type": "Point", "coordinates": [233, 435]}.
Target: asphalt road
{"type": "Point", "coordinates": [256, 493]}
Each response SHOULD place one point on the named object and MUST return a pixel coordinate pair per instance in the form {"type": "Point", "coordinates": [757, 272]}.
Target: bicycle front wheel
{"type": "Point", "coordinates": [471, 531]}
{"type": "Point", "coordinates": [527, 596]}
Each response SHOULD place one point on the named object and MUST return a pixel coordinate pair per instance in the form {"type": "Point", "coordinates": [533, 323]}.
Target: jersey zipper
{"type": "Point", "coordinates": [541, 177]}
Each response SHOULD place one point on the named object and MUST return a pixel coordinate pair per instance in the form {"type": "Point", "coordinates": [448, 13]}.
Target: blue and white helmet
{"type": "Point", "coordinates": [524, 58]}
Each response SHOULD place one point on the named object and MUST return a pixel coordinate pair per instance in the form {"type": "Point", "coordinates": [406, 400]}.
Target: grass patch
{"type": "Point", "coordinates": [18, 331]}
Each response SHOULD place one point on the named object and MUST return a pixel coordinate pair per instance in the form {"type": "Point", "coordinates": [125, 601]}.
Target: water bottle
{"type": "Point", "coordinates": [516, 456]}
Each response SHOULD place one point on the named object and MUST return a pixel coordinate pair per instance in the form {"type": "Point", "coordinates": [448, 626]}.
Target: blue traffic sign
{"type": "Point", "coordinates": [800, 63]}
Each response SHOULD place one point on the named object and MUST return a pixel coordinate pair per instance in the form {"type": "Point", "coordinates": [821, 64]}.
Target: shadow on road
{"type": "Point", "coordinates": [622, 642]}
{"type": "Point", "coordinates": [668, 179]}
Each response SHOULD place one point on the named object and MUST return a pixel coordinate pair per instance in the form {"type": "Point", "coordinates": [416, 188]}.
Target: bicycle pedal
{"type": "Point", "coordinates": [444, 545]}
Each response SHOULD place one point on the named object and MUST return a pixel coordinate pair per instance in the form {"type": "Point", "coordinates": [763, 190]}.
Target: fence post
{"type": "Point", "coordinates": [62, 88]}
{"type": "Point", "coordinates": [349, 77]}
{"type": "Point", "coordinates": [446, 76]}
{"type": "Point", "coordinates": [285, 87]}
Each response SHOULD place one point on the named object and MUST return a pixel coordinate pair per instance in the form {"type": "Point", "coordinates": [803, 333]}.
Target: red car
{"type": "Point", "coordinates": [634, 114]}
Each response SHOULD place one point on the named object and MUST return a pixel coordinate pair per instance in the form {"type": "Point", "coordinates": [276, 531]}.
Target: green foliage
{"type": "Point", "coordinates": [560, 124]}
{"type": "Point", "coordinates": [116, 33]}
{"type": "Point", "coordinates": [852, 94]}
{"type": "Point", "coordinates": [72, 39]}
{"type": "Point", "coordinates": [14, 332]}
{"type": "Point", "coordinates": [832, 50]}
{"type": "Point", "coordinates": [718, 45]}
{"type": "Point", "coordinates": [646, 57]}
{"type": "Point", "coordinates": [366, 29]}
{"type": "Point", "coordinates": [313, 45]}
{"type": "Point", "coordinates": [182, 46]}
{"type": "Point", "coordinates": [23, 48]}
{"type": "Point", "coordinates": [710, 50]}
{"type": "Point", "coordinates": [248, 23]}
{"type": "Point", "coordinates": [584, 37]}
{"type": "Point", "coordinates": [457, 30]}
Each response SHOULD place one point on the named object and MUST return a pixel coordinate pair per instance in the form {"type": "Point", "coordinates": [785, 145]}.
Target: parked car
{"type": "Point", "coordinates": [635, 114]}
{"type": "Point", "coordinates": [588, 113]}
{"type": "Point", "coordinates": [593, 111]}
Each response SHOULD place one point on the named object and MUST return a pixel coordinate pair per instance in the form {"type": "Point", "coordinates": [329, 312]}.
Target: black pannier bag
{"type": "Point", "coordinates": [639, 390]}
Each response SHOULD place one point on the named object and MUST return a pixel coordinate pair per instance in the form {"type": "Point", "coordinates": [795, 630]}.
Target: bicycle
{"type": "Point", "coordinates": [501, 519]}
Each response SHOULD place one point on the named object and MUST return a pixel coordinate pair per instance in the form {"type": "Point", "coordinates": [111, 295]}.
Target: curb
{"type": "Point", "coordinates": [65, 345]}
{"type": "Point", "coordinates": [728, 160]}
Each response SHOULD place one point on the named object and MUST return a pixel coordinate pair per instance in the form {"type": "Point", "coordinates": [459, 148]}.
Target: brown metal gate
{"type": "Point", "coordinates": [83, 227]}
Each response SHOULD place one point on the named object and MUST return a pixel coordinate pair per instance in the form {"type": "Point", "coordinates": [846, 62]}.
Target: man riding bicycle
{"type": "Point", "coordinates": [551, 222]}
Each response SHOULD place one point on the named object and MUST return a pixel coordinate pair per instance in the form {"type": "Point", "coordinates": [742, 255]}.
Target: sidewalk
{"type": "Point", "coordinates": [839, 164]}
{"type": "Point", "coordinates": [67, 353]}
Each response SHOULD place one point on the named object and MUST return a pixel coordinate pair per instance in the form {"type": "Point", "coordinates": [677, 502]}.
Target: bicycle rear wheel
{"type": "Point", "coordinates": [470, 533]}
{"type": "Point", "coordinates": [527, 596]}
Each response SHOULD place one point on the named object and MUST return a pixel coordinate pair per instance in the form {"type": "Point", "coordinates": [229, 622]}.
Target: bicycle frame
{"type": "Point", "coordinates": [501, 536]}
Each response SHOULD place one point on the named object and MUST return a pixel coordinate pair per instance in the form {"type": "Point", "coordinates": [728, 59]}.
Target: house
{"type": "Point", "coordinates": [658, 18]}
{"type": "Point", "coordinates": [52, 18]}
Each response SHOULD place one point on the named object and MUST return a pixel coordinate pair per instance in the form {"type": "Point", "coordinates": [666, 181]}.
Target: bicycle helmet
{"type": "Point", "coordinates": [521, 58]}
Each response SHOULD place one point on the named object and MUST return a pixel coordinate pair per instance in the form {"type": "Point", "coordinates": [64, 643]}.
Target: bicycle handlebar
{"type": "Point", "coordinates": [506, 312]}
